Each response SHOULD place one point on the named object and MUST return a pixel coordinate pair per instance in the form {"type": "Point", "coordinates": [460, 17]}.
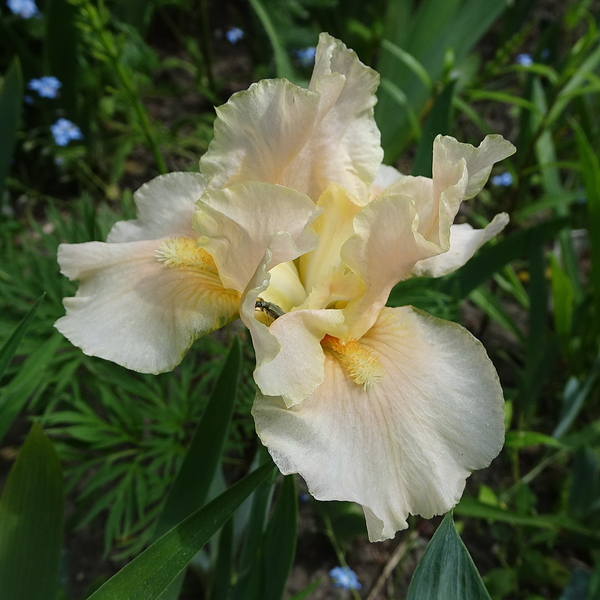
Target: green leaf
{"type": "Point", "coordinates": [470, 507]}
{"type": "Point", "coordinates": [31, 522]}
{"type": "Point", "coordinates": [191, 485]}
{"type": "Point", "coordinates": [150, 573]}
{"type": "Point", "coordinates": [446, 571]}
{"type": "Point", "coordinates": [279, 543]}
{"type": "Point", "coordinates": [11, 101]}
{"type": "Point", "coordinates": [10, 346]}
{"type": "Point", "coordinates": [221, 583]}
{"type": "Point", "coordinates": [253, 533]}
{"type": "Point", "coordinates": [563, 296]}
{"type": "Point", "coordinates": [526, 439]}
{"type": "Point", "coordinates": [437, 122]}
{"type": "Point", "coordinates": [282, 61]}
{"type": "Point", "coordinates": [203, 456]}
{"type": "Point", "coordinates": [437, 26]}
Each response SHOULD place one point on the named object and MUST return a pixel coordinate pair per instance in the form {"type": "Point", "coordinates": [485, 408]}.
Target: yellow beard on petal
{"type": "Point", "coordinates": [183, 253]}
{"type": "Point", "coordinates": [360, 362]}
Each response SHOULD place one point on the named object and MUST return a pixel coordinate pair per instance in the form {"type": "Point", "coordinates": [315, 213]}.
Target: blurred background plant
{"type": "Point", "coordinates": [99, 97]}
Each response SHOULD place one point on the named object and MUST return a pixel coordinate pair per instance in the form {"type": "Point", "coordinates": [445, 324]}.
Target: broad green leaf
{"type": "Point", "coordinates": [409, 61]}
{"type": "Point", "coordinates": [11, 101]}
{"type": "Point", "coordinates": [202, 459]}
{"type": "Point", "coordinates": [221, 583]}
{"type": "Point", "coordinates": [437, 122]}
{"type": "Point", "coordinates": [253, 534]}
{"type": "Point", "coordinates": [149, 574]}
{"type": "Point", "coordinates": [279, 542]}
{"type": "Point", "coordinates": [10, 346]}
{"type": "Point", "coordinates": [282, 61]}
{"type": "Point", "coordinates": [446, 571]}
{"type": "Point", "coordinates": [31, 522]}
{"type": "Point", "coordinates": [62, 53]}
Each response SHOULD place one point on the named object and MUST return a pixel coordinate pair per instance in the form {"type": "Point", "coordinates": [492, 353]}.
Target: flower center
{"type": "Point", "coordinates": [360, 362]}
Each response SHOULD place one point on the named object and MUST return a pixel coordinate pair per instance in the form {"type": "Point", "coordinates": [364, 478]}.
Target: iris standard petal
{"type": "Point", "coordinates": [277, 132]}
{"type": "Point", "coordinates": [165, 207]}
{"type": "Point", "coordinates": [383, 251]}
{"type": "Point", "coordinates": [404, 445]}
{"type": "Point", "coordinates": [136, 310]}
{"type": "Point", "coordinates": [479, 161]}
{"type": "Point", "coordinates": [239, 223]}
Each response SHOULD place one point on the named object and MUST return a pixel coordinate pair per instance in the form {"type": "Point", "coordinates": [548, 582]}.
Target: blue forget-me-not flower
{"type": "Point", "coordinates": [344, 577]}
{"type": "Point", "coordinates": [23, 8]}
{"type": "Point", "coordinates": [306, 56]}
{"type": "Point", "coordinates": [524, 60]}
{"type": "Point", "coordinates": [234, 35]}
{"type": "Point", "coordinates": [46, 87]}
{"type": "Point", "coordinates": [64, 131]}
{"type": "Point", "coordinates": [503, 180]}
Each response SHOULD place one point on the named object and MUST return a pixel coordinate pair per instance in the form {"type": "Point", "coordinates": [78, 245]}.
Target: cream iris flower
{"type": "Point", "coordinates": [295, 226]}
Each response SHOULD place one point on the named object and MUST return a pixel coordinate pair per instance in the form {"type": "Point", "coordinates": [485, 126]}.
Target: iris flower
{"type": "Point", "coordinates": [294, 225]}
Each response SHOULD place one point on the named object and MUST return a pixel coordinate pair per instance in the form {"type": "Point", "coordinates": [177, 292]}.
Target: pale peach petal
{"type": "Point", "coordinates": [479, 161]}
{"type": "Point", "coordinates": [165, 207]}
{"type": "Point", "coordinates": [406, 444]}
{"type": "Point", "coordinates": [386, 176]}
{"type": "Point", "coordinates": [239, 224]}
{"type": "Point", "coordinates": [276, 132]}
{"type": "Point", "coordinates": [134, 310]}
{"type": "Point", "coordinates": [464, 242]}
{"type": "Point", "coordinates": [383, 251]}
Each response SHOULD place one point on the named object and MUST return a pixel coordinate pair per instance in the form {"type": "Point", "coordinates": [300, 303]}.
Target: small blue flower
{"type": "Point", "coordinates": [234, 35]}
{"type": "Point", "coordinates": [503, 180]}
{"type": "Point", "coordinates": [306, 56]}
{"type": "Point", "coordinates": [64, 131]}
{"type": "Point", "coordinates": [524, 60]}
{"type": "Point", "coordinates": [46, 87]}
{"type": "Point", "coordinates": [23, 8]}
{"type": "Point", "coordinates": [344, 577]}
